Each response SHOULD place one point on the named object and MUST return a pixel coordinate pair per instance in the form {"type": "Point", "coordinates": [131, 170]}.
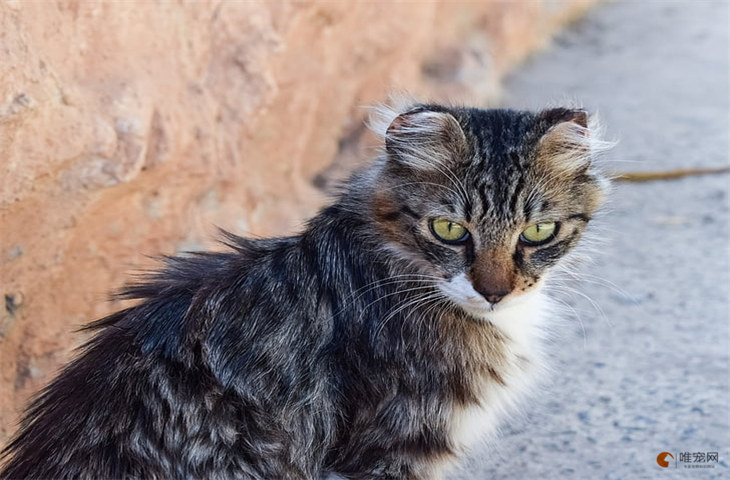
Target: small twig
{"type": "Point", "coordinates": [665, 175]}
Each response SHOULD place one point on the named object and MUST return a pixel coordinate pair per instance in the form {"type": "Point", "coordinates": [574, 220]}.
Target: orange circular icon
{"type": "Point", "coordinates": [661, 459]}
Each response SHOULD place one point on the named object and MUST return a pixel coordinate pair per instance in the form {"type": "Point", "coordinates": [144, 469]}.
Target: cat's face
{"type": "Point", "coordinates": [486, 201]}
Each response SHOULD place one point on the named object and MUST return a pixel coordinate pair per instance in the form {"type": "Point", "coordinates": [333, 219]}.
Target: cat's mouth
{"type": "Point", "coordinates": [460, 291]}
{"type": "Point", "coordinates": [480, 307]}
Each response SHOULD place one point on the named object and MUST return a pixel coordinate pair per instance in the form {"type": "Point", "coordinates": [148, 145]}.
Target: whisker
{"type": "Point", "coordinates": [395, 279]}
{"type": "Point", "coordinates": [419, 298]}
{"type": "Point", "coordinates": [595, 304]}
{"type": "Point", "coordinates": [577, 316]}
{"type": "Point", "coordinates": [399, 292]}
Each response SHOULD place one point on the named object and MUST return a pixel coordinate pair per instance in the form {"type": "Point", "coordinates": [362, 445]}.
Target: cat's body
{"type": "Point", "coordinates": [362, 346]}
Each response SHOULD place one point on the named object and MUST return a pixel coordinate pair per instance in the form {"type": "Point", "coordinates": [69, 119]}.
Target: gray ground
{"type": "Point", "coordinates": [651, 371]}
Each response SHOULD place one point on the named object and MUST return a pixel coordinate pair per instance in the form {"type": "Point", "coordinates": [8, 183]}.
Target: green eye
{"type": "Point", "coordinates": [448, 231]}
{"type": "Point", "coordinates": [539, 233]}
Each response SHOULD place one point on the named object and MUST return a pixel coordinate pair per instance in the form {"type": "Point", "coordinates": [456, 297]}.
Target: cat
{"type": "Point", "coordinates": [398, 328]}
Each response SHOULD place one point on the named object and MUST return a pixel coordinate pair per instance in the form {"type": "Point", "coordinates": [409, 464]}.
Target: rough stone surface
{"type": "Point", "coordinates": [646, 368]}
{"type": "Point", "coordinates": [129, 129]}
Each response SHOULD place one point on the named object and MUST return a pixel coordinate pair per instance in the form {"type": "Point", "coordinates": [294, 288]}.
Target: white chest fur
{"type": "Point", "coordinates": [522, 326]}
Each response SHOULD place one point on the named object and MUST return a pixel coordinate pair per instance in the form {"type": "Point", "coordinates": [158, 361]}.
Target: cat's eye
{"type": "Point", "coordinates": [448, 231]}
{"type": "Point", "coordinates": [539, 233]}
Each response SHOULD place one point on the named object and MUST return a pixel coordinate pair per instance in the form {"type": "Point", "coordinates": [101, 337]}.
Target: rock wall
{"type": "Point", "coordinates": [130, 129]}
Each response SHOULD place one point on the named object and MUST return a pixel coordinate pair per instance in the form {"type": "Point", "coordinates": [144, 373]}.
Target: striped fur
{"type": "Point", "coordinates": [361, 348]}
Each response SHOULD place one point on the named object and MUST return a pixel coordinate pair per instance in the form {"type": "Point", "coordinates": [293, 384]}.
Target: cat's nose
{"type": "Point", "coordinates": [493, 275]}
{"type": "Point", "coordinates": [494, 296]}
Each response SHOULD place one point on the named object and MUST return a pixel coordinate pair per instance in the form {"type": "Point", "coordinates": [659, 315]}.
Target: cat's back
{"type": "Point", "coordinates": [165, 388]}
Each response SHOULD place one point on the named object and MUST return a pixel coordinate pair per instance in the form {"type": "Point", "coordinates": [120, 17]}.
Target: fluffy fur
{"type": "Point", "coordinates": [363, 347]}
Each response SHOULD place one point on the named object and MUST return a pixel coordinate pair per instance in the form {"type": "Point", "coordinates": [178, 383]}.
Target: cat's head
{"type": "Point", "coordinates": [487, 201]}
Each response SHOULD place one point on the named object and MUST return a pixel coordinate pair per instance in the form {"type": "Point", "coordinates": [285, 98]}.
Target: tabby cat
{"type": "Point", "coordinates": [379, 343]}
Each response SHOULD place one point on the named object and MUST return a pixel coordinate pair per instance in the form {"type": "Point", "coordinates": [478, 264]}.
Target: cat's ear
{"type": "Point", "coordinates": [566, 145]}
{"type": "Point", "coordinates": [424, 139]}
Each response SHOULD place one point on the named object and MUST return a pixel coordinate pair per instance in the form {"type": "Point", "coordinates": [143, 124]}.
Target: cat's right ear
{"type": "Point", "coordinates": [425, 139]}
{"type": "Point", "coordinates": [568, 144]}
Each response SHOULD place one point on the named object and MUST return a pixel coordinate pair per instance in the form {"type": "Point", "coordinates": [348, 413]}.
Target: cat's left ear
{"type": "Point", "coordinates": [566, 145]}
{"type": "Point", "coordinates": [424, 139]}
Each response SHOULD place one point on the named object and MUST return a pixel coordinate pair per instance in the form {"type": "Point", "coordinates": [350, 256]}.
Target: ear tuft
{"type": "Point", "coordinates": [580, 117]}
{"type": "Point", "coordinates": [382, 115]}
{"type": "Point", "coordinates": [423, 138]}
{"type": "Point", "coordinates": [556, 116]}
{"type": "Point", "coordinates": [567, 143]}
